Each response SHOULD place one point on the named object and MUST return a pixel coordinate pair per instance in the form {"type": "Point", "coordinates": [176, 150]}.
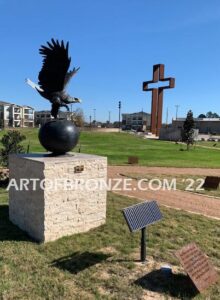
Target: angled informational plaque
{"type": "Point", "coordinates": [197, 266]}
{"type": "Point", "coordinates": [141, 215]}
{"type": "Point", "coordinates": [211, 182]}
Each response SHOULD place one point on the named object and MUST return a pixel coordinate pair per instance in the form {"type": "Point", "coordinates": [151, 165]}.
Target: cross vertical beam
{"type": "Point", "coordinates": [157, 96]}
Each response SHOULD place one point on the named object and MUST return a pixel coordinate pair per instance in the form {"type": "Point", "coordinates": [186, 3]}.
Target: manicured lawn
{"type": "Point", "coordinates": [101, 264]}
{"type": "Point", "coordinates": [118, 146]}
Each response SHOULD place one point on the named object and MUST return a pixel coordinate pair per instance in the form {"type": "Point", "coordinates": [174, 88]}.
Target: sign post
{"type": "Point", "coordinates": [143, 244]}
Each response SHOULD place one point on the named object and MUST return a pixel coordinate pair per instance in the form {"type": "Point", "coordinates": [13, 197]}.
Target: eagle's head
{"type": "Point", "coordinates": [74, 100]}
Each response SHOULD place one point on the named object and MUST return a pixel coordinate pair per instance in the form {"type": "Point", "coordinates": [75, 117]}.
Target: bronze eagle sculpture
{"type": "Point", "coordinates": [54, 76]}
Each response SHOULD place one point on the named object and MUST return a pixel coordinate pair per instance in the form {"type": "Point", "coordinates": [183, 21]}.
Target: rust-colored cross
{"type": "Point", "coordinates": [157, 96]}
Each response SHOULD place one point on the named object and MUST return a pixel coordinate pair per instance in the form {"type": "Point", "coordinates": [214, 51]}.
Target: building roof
{"type": "Point", "coordinates": [198, 120]}
{"type": "Point", "coordinates": [26, 106]}
{"type": "Point", "coordinates": [8, 103]}
{"type": "Point", "coordinates": [5, 103]}
{"type": "Point", "coordinates": [42, 111]}
{"type": "Point", "coordinates": [137, 113]}
{"type": "Point", "coordinates": [62, 113]}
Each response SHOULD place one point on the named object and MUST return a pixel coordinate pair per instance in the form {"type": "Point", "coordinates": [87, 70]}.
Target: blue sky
{"type": "Point", "coordinates": [115, 43]}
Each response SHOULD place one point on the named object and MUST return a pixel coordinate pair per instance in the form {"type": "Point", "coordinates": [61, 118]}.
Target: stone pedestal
{"type": "Point", "coordinates": [51, 197]}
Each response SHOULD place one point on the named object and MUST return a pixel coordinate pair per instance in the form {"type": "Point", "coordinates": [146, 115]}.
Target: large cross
{"type": "Point", "coordinates": [157, 96]}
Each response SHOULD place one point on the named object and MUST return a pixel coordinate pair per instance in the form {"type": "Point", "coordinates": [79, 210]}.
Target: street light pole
{"type": "Point", "coordinates": [109, 118]}
{"type": "Point", "coordinates": [119, 115]}
{"type": "Point", "coordinates": [94, 115]}
{"type": "Point", "coordinates": [167, 117]}
{"type": "Point", "coordinates": [177, 107]}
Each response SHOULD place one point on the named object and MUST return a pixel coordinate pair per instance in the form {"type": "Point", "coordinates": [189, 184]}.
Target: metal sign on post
{"type": "Point", "coordinates": [139, 216]}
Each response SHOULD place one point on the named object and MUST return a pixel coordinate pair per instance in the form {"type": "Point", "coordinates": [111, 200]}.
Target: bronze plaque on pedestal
{"type": "Point", "coordinates": [132, 160]}
{"type": "Point", "coordinates": [211, 182]}
{"type": "Point", "coordinates": [197, 266]}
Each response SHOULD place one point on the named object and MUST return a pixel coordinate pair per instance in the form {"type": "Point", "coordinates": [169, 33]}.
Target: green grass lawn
{"type": "Point", "coordinates": [118, 146]}
{"type": "Point", "coordinates": [101, 264]}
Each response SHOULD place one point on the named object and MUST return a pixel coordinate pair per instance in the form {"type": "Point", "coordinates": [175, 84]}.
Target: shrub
{"type": "Point", "coordinates": [11, 144]}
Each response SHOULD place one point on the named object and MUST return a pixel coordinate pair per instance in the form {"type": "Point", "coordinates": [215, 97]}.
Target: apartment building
{"type": "Point", "coordinates": [43, 116]}
{"type": "Point", "coordinates": [136, 121]}
{"type": "Point", "coordinates": [13, 115]}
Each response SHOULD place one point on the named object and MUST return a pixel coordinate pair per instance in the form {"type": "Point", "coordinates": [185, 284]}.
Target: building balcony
{"type": "Point", "coordinates": [17, 121]}
{"type": "Point", "coordinates": [28, 112]}
{"type": "Point", "coordinates": [28, 118]}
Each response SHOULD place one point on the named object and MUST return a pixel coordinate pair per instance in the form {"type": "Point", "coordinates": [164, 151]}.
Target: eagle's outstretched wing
{"type": "Point", "coordinates": [55, 66]}
{"type": "Point", "coordinates": [69, 75]}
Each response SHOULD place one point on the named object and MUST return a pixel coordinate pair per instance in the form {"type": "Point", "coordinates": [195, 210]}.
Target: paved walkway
{"type": "Point", "coordinates": [177, 199]}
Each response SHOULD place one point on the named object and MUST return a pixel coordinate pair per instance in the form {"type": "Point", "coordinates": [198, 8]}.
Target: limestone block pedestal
{"type": "Point", "coordinates": [51, 197]}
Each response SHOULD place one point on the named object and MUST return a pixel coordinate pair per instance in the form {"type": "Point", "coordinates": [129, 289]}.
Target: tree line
{"type": "Point", "coordinates": [209, 115]}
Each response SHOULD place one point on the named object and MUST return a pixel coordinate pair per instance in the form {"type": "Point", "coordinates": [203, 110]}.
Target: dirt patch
{"type": "Point", "coordinates": [189, 202]}
{"type": "Point", "coordinates": [109, 250]}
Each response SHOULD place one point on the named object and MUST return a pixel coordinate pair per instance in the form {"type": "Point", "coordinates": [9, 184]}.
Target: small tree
{"type": "Point", "coordinates": [202, 116]}
{"type": "Point", "coordinates": [212, 115]}
{"type": "Point", "coordinates": [78, 117]}
{"type": "Point", "coordinates": [11, 144]}
{"type": "Point", "coordinates": [188, 129]}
